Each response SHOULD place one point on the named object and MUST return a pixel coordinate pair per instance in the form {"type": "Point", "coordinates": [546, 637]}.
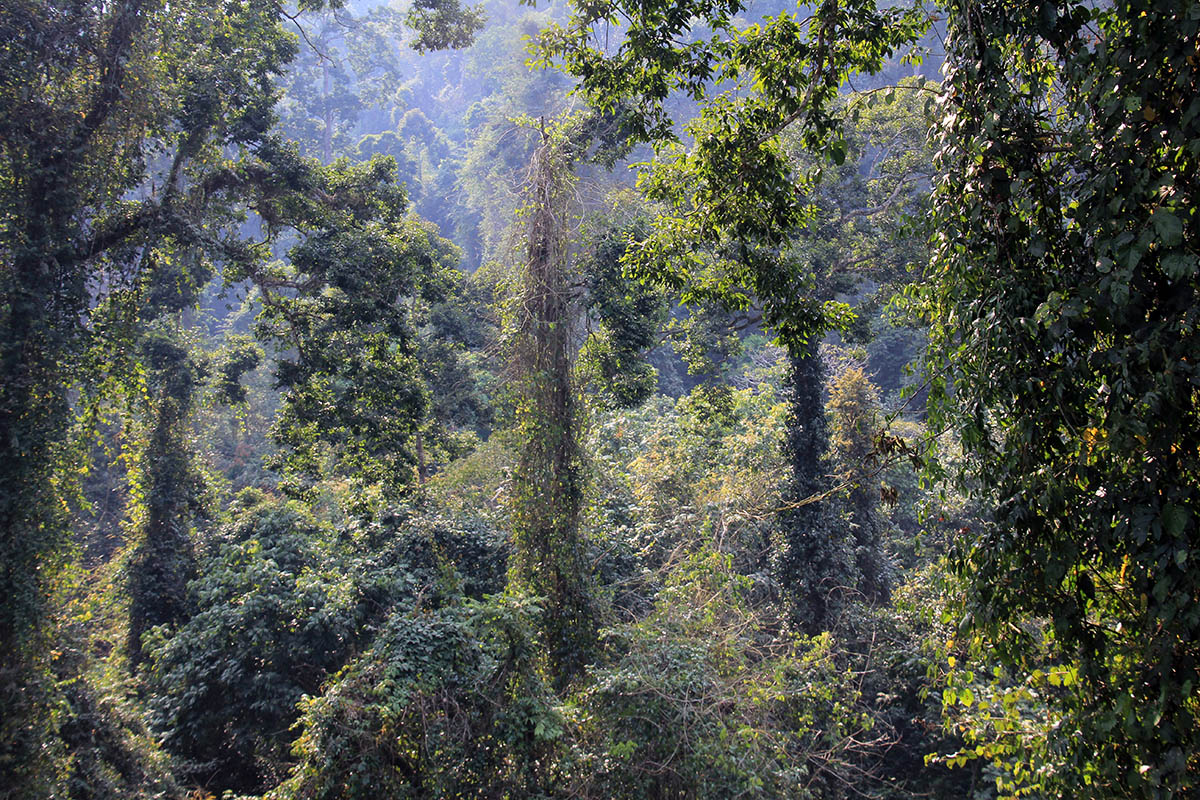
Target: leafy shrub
{"type": "Point", "coordinates": [705, 699]}
{"type": "Point", "coordinates": [276, 615]}
{"type": "Point", "coordinates": [427, 551]}
{"type": "Point", "coordinates": [283, 604]}
{"type": "Point", "coordinates": [446, 703]}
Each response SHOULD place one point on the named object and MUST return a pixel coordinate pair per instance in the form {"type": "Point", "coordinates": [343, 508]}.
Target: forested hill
{"type": "Point", "coordinates": [632, 399]}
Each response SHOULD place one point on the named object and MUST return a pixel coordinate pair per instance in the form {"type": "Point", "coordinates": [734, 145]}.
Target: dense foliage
{"type": "Point", "coordinates": [1067, 304]}
{"type": "Point", "coordinates": [620, 399]}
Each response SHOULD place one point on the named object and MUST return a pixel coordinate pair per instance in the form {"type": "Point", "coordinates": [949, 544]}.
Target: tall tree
{"type": "Point", "coordinates": [115, 118]}
{"type": "Point", "coordinates": [1065, 292]}
{"type": "Point", "coordinates": [858, 231]}
{"type": "Point", "coordinates": [548, 557]}
{"type": "Point", "coordinates": [163, 561]}
{"type": "Point", "coordinates": [767, 206]}
{"type": "Point", "coordinates": [854, 429]}
{"type": "Point", "coordinates": [340, 311]}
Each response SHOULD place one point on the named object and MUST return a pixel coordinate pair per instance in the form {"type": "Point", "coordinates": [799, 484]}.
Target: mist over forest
{"type": "Point", "coordinates": [604, 399]}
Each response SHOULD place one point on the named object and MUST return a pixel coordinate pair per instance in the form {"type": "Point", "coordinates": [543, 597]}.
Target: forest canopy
{"type": "Point", "coordinates": [613, 399]}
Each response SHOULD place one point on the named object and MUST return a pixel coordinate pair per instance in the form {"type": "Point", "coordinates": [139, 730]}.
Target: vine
{"type": "Point", "coordinates": [547, 480]}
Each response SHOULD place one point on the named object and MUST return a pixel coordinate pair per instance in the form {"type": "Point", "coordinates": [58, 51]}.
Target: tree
{"type": "Point", "coordinates": [855, 427]}
{"type": "Point", "coordinates": [163, 560]}
{"type": "Point", "coordinates": [1064, 294]}
{"type": "Point", "coordinates": [548, 555]}
{"type": "Point", "coordinates": [857, 231]}
{"type": "Point", "coordinates": [745, 223]}
{"type": "Point", "coordinates": [115, 122]}
{"type": "Point", "coordinates": [346, 64]}
{"type": "Point", "coordinates": [340, 310]}
{"type": "Point", "coordinates": [625, 317]}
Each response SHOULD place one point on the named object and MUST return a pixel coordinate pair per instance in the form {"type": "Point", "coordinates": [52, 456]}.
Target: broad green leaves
{"type": "Point", "coordinates": [340, 309]}
{"type": "Point", "coordinates": [731, 197]}
{"type": "Point", "coordinates": [1064, 286]}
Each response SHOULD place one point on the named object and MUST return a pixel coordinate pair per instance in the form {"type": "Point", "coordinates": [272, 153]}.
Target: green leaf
{"type": "Point", "coordinates": [1178, 266]}
{"type": "Point", "coordinates": [1174, 520]}
{"type": "Point", "coordinates": [1168, 227]}
{"type": "Point", "coordinates": [837, 151]}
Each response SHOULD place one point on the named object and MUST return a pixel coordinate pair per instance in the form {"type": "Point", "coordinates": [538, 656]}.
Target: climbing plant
{"type": "Point", "coordinates": [1063, 299]}
{"type": "Point", "coordinates": [548, 557]}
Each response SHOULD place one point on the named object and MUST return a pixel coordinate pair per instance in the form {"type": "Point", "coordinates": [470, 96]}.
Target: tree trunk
{"type": "Point", "coordinates": [547, 485]}
{"type": "Point", "coordinates": [812, 564]}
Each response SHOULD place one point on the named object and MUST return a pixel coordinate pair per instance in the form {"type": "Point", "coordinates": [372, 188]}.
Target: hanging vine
{"type": "Point", "coordinates": [547, 482]}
